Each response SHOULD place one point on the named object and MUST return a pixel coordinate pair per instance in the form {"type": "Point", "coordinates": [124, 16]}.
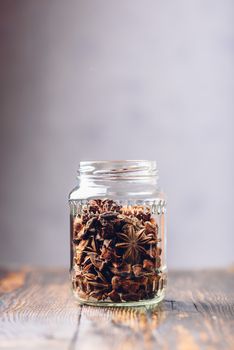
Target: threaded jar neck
{"type": "Point", "coordinates": [118, 170]}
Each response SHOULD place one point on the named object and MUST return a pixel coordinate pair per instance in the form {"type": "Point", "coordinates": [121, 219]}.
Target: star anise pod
{"type": "Point", "coordinates": [97, 262]}
{"type": "Point", "coordinates": [80, 251]}
{"type": "Point", "coordinates": [138, 270]}
{"type": "Point", "coordinates": [108, 254]}
{"type": "Point", "coordinates": [148, 265]}
{"type": "Point", "coordinates": [99, 286]}
{"type": "Point", "coordinates": [110, 205]}
{"type": "Point", "coordinates": [131, 297]}
{"type": "Point", "coordinates": [93, 253]}
{"type": "Point", "coordinates": [77, 225]}
{"type": "Point", "coordinates": [154, 251]}
{"type": "Point", "coordinates": [140, 212]}
{"type": "Point", "coordinates": [133, 242]}
{"type": "Point", "coordinates": [151, 228]}
{"type": "Point", "coordinates": [108, 215]}
{"type": "Point", "coordinates": [92, 247]}
{"type": "Point", "coordinates": [114, 296]}
{"type": "Point", "coordinates": [107, 230]}
{"type": "Point", "coordinates": [94, 206]}
{"type": "Point", "coordinates": [121, 269]}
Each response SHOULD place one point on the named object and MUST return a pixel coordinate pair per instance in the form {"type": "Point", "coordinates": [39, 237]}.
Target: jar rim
{"type": "Point", "coordinates": [116, 169]}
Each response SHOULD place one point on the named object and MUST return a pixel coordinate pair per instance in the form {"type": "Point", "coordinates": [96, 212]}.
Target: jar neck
{"type": "Point", "coordinates": [98, 173]}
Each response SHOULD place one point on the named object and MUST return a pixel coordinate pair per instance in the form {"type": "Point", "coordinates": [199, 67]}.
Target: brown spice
{"type": "Point", "coordinates": [116, 252]}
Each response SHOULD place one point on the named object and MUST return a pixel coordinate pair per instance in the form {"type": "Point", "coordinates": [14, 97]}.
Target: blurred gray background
{"type": "Point", "coordinates": [124, 79]}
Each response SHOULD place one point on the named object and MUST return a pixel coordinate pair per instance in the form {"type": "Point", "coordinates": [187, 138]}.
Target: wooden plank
{"type": "Point", "coordinates": [203, 305]}
{"type": "Point", "coordinates": [39, 312]}
{"type": "Point", "coordinates": [197, 314]}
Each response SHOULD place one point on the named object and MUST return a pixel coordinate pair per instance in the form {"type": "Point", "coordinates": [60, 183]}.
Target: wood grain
{"type": "Point", "coordinates": [39, 312]}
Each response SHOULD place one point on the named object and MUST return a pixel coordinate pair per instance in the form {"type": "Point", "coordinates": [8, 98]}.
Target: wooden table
{"type": "Point", "coordinates": [39, 312]}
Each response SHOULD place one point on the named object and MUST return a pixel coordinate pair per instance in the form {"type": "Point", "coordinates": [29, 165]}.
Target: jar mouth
{"type": "Point", "coordinates": [116, 169]}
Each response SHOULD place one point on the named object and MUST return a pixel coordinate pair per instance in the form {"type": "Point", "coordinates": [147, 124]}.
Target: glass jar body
{"type": "Point", "coordinates": [118, 241]}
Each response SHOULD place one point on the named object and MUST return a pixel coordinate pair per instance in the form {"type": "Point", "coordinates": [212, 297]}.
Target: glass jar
{"type": "Point", "coordinates": [118, 234]}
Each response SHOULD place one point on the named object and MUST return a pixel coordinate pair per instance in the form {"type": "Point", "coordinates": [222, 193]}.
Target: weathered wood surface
{"type": "Point", "coordinates": [39, 312]}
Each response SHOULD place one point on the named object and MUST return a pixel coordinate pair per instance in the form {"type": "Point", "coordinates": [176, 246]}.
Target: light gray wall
{"type": "Point", "coordinates": [120, 79]}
